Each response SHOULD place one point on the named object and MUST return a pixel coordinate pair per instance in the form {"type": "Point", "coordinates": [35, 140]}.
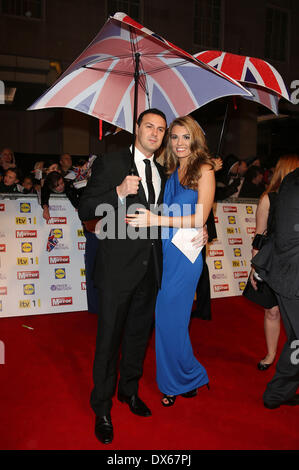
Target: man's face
{"type": "Point", "coordinates": [150, 133]}
{"type": "Point", "coordinates": [10, 178]}
{"type": "Point", "coordinates": [27, 184]}
{"type": "Point", "coordinates": [242, 168]}
{"type": "Point", "coordinates": [66, 161]}
{"type": "Point", "coordinates": [7, 155]}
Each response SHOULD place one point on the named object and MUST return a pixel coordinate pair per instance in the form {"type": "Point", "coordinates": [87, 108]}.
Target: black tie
{"type": "Point", "coordinates": [149, 182]}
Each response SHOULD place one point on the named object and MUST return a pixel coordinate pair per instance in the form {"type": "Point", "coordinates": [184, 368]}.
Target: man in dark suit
{"type": "Point", "coordinates": [128, 267]}
{"type": "Point", "coordinates": [280, 271]}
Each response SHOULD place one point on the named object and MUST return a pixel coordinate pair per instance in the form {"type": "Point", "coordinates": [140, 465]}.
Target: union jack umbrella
{"type": "Point", "coordinates": [256, 75]}
{"type": "Point", "coordinates": [127, 69]}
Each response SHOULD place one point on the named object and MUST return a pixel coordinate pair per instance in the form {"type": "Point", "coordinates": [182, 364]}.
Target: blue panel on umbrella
{"type": "Point", "coordinates": [121, 122]}
{"type": "Point", "coordinates": [205, 86]}
{"type": "Point", "coordinates": [85, 104]}
{"type": "Point", "coordinates": [108, 31]}
{"type": "Point", "coordinates": [249, 77]}
{"type": "Point", "coordinates": [159, 101]}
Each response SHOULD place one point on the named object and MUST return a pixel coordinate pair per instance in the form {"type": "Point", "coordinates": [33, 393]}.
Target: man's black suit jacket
{"type": "Point", "coordinates": [120, 261]}
{"type": "Point", "coordinates": [278, 260]}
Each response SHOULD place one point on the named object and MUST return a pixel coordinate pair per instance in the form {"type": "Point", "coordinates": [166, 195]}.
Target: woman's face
{"type": "Point", "coordinates": [180, 141]}
{"type": "Point", "coordinates": [53, 167]}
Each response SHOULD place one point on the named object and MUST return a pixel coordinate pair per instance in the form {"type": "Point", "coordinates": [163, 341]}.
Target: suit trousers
{"type": "Point", "coordinates": [203, 294]}
{"type": "Point", "coordinates": [285, 382]}
{"type": "Point", "coordinates": [125, 323]}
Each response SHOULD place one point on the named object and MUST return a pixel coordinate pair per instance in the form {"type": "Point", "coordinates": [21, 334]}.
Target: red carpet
{"type": "Point", "coordinates": [46, 383]}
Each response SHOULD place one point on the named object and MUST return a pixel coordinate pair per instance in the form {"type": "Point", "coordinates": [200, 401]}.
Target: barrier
{"type": "Point", "coordinates": [229, 256]}
{"type": "Point", "coordinates": [34, 281]}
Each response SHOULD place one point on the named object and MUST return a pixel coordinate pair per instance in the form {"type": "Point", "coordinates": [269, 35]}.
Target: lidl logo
{"type": "Point", "coordinates": [57, 232]}
{"type": "Point", "coordinates": [29, 289]}
{"type": "Point", "coordinates": [231, 219]}
{"type": "Point", "coordinates": [218, 264]}
{"type": "Point", "coordinates": [242, 285]}
{"type": "Point", "coordinates": [249, 209]}
{"type": "Point", "coordinates": [26, 247]}
{"type": "Point", "coordinates": [60, 273]}
{"type": "Point", "coordinates": [237, 252]}
{"type": "Point", "coordinates": [25, 207]}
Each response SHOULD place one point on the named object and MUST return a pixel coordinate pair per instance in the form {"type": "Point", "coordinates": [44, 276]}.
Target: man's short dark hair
{"type": "Point", "coordinates": [151, 111]}
{"type": "Point", "coordinates": [14, 170]}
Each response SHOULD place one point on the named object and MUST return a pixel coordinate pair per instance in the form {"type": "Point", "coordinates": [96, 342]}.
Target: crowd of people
{"type": "Point", "coordinates": [235, 177]}
{"type": "Point", "coordinates": [139, 277]}
{"type": "Point", "coordinates": [45, 177]}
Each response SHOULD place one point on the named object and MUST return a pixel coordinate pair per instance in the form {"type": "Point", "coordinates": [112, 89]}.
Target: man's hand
{"type": "Point", "coordinates": [130, 185]}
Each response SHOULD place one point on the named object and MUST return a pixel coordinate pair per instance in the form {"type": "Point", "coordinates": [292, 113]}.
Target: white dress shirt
{"type": "Point", "coordinates": [140, 165]}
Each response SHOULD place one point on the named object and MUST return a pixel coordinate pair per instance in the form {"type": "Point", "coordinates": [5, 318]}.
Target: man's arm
{"type": "Point", "coordinates": [103, 188]}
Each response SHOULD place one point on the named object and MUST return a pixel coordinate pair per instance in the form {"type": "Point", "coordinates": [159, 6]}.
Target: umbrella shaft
{"type": "Point", "coordinates": [136, 78]}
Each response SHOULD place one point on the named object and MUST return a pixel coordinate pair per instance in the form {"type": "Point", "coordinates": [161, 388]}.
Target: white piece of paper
{"type": "Point", "coordinates": [71, 175]}
{"type": "Point", "coordinates": [182, 240]}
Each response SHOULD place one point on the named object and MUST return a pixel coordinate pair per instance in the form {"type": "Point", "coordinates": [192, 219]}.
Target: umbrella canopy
{"type": "Point", "coordinates": [258, 76]}
{"type": "Point", "coordinates": [127, 69]}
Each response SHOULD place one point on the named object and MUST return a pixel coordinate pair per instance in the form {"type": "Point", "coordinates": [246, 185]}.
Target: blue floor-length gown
{"type": "Point", "coordinates": [178, 371]}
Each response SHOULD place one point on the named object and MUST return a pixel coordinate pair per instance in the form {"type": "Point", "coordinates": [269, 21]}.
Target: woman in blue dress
{"type": "Point", "coordinates": [190, 191]}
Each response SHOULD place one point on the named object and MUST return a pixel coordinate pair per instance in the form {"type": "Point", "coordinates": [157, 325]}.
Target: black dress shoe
{"type": "Point", "coordinates": [135, 404]}
{"type": "Point", "coordinates": [263, 366]}
{"type": "Point", "coordinates": [104, 429]}
{"type": "Point", "coordinates": [291, 402]}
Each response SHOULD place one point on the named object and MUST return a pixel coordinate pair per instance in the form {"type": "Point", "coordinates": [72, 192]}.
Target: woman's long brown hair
{"type": "Point", "coordinates": [199, 152]}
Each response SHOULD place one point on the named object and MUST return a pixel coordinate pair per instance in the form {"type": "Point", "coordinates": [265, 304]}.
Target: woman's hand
{"type": "Point", "coordinates": [201, 239]}
{"type": "Point", "coordinates": [144, 218]}
{"type": "Point", "coordinates": [252, 279]}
